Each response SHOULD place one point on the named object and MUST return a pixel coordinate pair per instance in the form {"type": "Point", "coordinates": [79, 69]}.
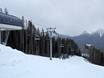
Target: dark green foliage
{"type": "Point", "coordinates": [96, 56]}
{"type": "Point", "coordinates": [32, 41]}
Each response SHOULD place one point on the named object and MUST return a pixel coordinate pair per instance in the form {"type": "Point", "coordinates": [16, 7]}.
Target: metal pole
{"type": "Point", "coordinates": [50, 48]}
{"type": "Point", "coordinates": [7, 35]}
{"type": "Point", "coordinates": [51, 30]}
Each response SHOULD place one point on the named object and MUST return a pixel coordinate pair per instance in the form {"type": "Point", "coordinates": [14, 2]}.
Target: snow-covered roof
{"type": "Point", "coordinates": [10, 22]}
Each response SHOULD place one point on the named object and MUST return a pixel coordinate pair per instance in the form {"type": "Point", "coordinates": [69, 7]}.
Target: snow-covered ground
{"type": "Point", "coordinates": [15, 64]}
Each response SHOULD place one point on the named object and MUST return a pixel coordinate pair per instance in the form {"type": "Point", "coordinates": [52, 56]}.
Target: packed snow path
{"type": "Point", "coordinates": [15, 64]}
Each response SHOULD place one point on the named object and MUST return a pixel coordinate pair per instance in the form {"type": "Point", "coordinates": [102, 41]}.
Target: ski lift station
{"type": "Point", "coordinates": [9, 23]}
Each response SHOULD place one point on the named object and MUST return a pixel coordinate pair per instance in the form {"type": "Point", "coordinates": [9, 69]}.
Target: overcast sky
{"type": "Point", "coordinates": [70, 17]}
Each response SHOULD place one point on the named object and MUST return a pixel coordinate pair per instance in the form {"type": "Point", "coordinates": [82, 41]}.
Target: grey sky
{"type": "Point", "coordinates": [70, 17]}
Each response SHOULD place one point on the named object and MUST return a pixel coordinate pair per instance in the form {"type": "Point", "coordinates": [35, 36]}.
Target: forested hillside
{"type": "Point", "coordinates": [36, 42]}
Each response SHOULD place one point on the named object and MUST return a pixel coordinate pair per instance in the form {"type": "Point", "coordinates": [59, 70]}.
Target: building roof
{"type": "Point", "coordinates": [10, 22]}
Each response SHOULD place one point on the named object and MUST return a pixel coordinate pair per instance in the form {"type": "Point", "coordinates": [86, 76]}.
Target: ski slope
{"type": "Point", "coordinates": [15, 64]}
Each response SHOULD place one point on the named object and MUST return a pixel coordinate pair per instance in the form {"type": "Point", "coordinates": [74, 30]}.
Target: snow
{"type": "Point", "coordinates": [16, 64]}
{"type": "Point", "coordinates": [100, 32]}
{"type": "Point", "coordinates": [89, 45]}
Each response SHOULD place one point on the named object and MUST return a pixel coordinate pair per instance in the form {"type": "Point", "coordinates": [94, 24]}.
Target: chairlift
{"type": "Point", "coordinates": [61, 45]}
{"type": "Point", "coordinates": [37, 38]}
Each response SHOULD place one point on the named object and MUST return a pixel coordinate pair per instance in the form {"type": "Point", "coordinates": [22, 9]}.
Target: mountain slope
{"type": "Point", "coordinates": [15, 64]}
{"type": "Point", "coordinates": [96, 38]}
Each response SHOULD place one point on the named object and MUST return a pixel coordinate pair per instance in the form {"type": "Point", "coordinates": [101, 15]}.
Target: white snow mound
{"type": "Point", "coordinates": [16, 64]}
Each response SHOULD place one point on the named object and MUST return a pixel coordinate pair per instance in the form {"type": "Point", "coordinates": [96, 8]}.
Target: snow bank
{"type": "Point", "coordinates": [15, 64]}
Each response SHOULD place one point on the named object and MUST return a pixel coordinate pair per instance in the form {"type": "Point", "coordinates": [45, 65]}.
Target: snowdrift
{"type": "Point", "coordinates": [16, 64]}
